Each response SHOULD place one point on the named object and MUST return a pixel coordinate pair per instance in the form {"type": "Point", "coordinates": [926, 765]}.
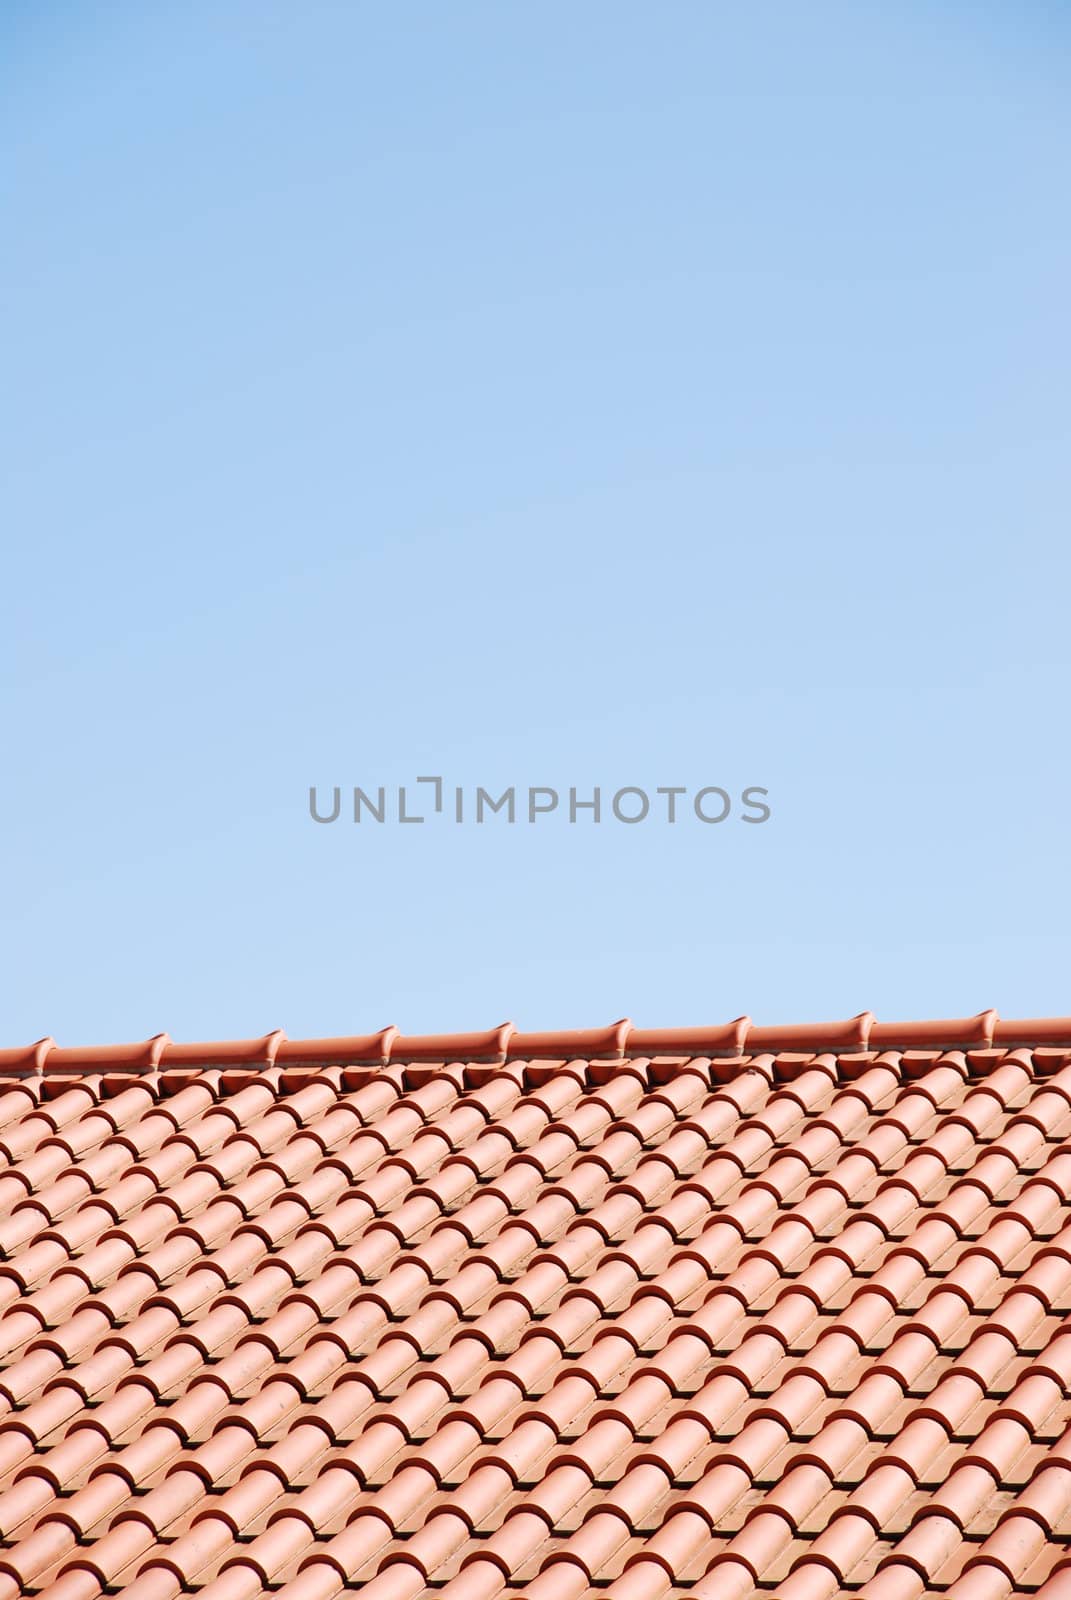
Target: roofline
{"type": "Point", "coordinates": [505, 1043]}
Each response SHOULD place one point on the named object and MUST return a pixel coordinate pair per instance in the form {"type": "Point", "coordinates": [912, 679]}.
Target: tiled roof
{"type": "Point", "coordinates": [711, 1311]}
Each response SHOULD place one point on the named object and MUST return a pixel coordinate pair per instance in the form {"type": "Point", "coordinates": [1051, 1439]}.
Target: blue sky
{"type": "Point", "coordinates": [538, 394]}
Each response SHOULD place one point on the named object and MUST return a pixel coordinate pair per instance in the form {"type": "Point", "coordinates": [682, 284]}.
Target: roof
{"type": "Point", "coordinates": [712, 1311]}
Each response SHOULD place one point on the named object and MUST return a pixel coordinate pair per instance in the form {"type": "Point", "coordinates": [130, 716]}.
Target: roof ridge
{"type": "Point", "coordinates": [505, 1042]}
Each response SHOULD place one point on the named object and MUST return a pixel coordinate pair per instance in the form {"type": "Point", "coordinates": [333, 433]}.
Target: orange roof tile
{"type": "Point", "coordinates": [719, 1310]}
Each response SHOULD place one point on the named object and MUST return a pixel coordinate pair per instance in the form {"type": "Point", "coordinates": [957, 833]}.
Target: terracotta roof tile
{"type": "Point", "coordinates": [714, 1310]}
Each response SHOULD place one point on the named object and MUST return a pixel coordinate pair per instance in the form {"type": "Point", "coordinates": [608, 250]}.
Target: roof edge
{"type": "Point", "coordinates": [616, 1041]}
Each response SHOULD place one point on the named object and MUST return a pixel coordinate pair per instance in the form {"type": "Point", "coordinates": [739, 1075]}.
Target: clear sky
{"type": "Point", "coordinates": [547, 394]}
